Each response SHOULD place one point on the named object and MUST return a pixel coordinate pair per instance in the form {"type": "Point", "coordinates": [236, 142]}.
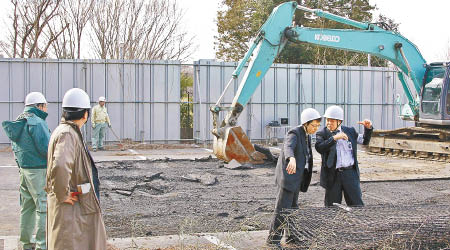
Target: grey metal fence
{"type": "Point", "coordinates": [143, 97]}
{"type": "Point", "coordinates": [287, 89]}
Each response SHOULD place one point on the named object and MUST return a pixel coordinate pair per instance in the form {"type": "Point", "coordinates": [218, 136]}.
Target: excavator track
{"type": "Point", "coordinates": [412, 142]}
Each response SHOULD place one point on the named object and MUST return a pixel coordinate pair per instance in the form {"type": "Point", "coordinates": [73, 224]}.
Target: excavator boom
{"type": "Point", "coordinates": [231, 142]}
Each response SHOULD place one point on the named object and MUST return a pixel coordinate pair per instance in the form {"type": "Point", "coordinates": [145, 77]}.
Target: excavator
{"type": "Point", "coordinates": [428, 106]}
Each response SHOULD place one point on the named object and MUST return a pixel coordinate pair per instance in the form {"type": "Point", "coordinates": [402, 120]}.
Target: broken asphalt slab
{"type": "Point", "coordinates": [205, 179]}
{"type": "Point", "coordinates": [235, 165]}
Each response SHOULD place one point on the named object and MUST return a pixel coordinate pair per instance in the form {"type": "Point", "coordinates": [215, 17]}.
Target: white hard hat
{"type": "Point", "coordinates": [309, 114]}
{"type": "Point", "coordinates": [334, 112]}
{"type": "Point", "coordinates": [102, 99]}
{"type": "Point", "coordinates": [35, 98]}
{"type": "Point", "coordinates": [76, 98]}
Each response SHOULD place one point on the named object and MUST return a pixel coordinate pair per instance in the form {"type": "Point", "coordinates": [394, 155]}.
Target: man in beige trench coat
{"type": "Point", "coordinates": [74, 219]}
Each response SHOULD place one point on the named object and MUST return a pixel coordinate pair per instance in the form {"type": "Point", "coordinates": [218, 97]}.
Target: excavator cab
{"type": "Point", "coordinates": [435, 104]}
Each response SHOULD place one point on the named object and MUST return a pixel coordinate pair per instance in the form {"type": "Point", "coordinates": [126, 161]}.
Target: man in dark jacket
{"type": "Point", "coordinates": [338, 146]}
{"type": "Point", "coordinates": [293, 171]}
{"type": "Point", "coordinates": [29, 135]}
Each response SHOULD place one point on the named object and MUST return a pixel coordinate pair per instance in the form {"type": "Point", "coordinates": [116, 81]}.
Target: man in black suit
{"type": "Point", "coordinates": [293, 171]}
{"type": "Point", "coordinates": [338, 146]}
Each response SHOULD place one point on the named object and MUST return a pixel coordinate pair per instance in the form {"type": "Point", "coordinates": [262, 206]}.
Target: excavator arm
{"type": "Point", "coordinates": [381, 43]}
{"type": "Point", "coordinates": [230, 141]}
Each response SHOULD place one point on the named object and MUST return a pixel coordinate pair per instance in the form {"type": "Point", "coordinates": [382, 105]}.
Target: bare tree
{"type": "Point", "coordinates": [105, 28]}
{"type": "Point", "coordinates": [75, 13]}
{"type": "Point", "coordinates": [30, 35]}
{"type": "Point", "coordinates": [139, 29]}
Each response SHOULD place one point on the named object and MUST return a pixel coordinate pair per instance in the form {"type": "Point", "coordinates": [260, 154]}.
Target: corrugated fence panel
{"type": "Point", "coordinates": [173, 99]}
{"type": "Point", "coordinates": [18, 88]}
{"type": "Point", "coordinates": [143, 97]}
{"type": "Point", "coordinates": [5, 96]}
{"type": "Point", "coordinates": [147, 92]}
{"type": "Point", "coordinates": [363, 92]}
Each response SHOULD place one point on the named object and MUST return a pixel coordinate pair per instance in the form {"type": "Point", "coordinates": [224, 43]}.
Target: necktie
{"type": "Point", "coordinates": [307, 146]}
{"type": "Point", "coordinates": [332, 154]}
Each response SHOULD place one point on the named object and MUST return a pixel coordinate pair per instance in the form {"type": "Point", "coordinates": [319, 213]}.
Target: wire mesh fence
{"type": "Point", "coordinates": [420, 226]}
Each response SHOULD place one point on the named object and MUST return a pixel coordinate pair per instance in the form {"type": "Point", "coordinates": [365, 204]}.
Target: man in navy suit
{"type": "Point", "coordinates": [293, 172]}
{"type": "Point", "coordinates": [338, 146]}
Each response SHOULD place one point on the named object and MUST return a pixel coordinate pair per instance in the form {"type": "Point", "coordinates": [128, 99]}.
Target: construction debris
{"type": "Point", "coordinates": [203, 159]}
{"type": "Point", "coordinates": [425, 226]}
{"type": "Point", "coordinates": [266, 152]}
{"type": "Point", "coordinates": [206, 179]}
{"type": "Point", "coordinates": [153, 197]}
{"type": "Point", "coordinates": [151, 177]}
{"type": "Point", "coordinates": [124, 192]}
{"type": "Point", "coordinates": [235, 165]}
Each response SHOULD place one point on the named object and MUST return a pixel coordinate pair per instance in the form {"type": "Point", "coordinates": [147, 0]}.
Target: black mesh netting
{"type": "Point", "coordinates": [425, 226]}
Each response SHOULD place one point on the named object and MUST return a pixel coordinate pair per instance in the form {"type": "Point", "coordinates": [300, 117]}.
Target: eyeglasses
{"type": "Point", "coordinates": [315, 126]}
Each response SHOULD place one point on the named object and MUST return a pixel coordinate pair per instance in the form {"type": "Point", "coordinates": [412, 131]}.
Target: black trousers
{"type": "Point", "coordinates": [285, 199]}
{"type": "Point", "coordinates": [346, 182]}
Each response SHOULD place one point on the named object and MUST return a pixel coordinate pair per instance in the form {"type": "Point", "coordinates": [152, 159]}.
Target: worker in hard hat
{"type": "Point", "coordinates": [74, 219]}
{"type": "Point", "coordinates": [293, 171]}
{"type": "Point", "coordinates": [338, 146]}
{"type": "Point", "coordinates": [29, 135]}
{"type": "Point", "coordinates": [100, 120]}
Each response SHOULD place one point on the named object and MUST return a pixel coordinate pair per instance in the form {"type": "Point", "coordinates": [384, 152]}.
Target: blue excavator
{"type": "Point", "coordinates": [428, 103]}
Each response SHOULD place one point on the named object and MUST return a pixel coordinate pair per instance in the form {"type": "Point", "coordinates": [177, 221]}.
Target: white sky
{"type": "Point", "coordinates": [422, 22]}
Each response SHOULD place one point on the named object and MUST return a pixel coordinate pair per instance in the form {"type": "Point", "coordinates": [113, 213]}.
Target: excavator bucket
{"type": "Point", "coordinates": [235, 145]}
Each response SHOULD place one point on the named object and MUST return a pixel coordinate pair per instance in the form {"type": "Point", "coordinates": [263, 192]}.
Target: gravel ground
{"type": "Point", "coordinates": [151, 198]}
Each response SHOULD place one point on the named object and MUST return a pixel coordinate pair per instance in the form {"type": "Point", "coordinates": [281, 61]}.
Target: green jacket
{"type": "Point", "coordinates": [29, 135]}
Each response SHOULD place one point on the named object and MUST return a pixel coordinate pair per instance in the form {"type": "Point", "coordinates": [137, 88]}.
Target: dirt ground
{"type": "Point", "coordinates": [172, 197]}
{"type": "Point", "coordinates": [166, 197]}
{"type": "Point", "coordinates": [179, 190]}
